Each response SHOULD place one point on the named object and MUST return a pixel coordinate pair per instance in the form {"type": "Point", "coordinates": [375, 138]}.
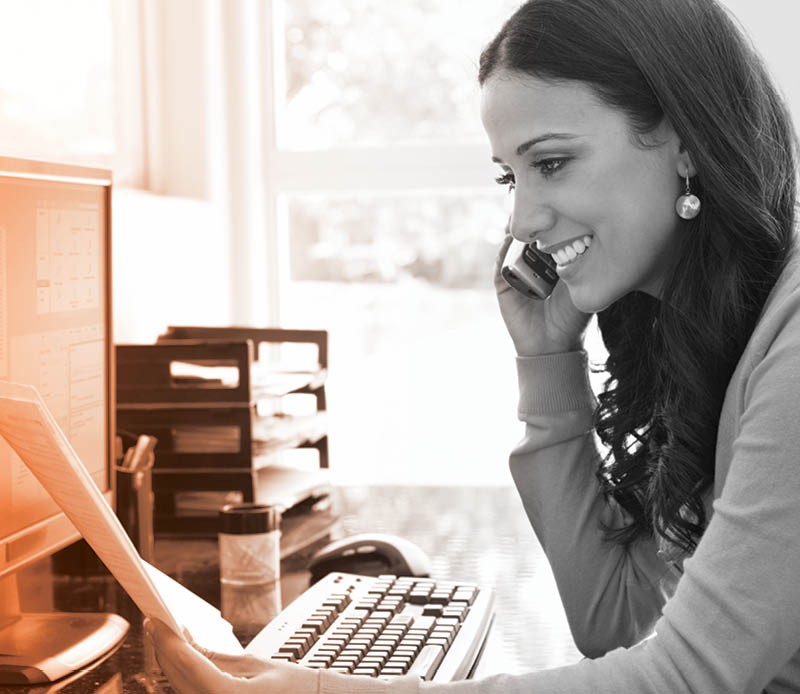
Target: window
{"type": "Point", "coordinates": [404, 73]}
{"type": "Point", "coordinates": [388, 221]}
{"type": "Point", "coordinates": [56, 88]}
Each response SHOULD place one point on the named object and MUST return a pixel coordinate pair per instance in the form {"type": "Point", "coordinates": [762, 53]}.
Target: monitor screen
{"type": "Point", "coordinates": [54, 334]}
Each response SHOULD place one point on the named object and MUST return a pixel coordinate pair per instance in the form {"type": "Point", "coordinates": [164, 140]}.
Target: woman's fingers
{"type": "Point", "coordinates": [188, 670]}
{"type": "Point", "coordinates": [242, 665]}
{"type": "Point", "coordinates": [507, 239]}
{"type": "Point", "coordinates": [194, 670]}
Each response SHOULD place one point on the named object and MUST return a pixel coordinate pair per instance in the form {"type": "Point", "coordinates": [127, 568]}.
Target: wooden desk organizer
{"type": "Point", "coordinates": [199, 391]}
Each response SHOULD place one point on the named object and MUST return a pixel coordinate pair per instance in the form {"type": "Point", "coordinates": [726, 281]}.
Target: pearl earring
{"type": "Point", "coordinates": [688, 205]}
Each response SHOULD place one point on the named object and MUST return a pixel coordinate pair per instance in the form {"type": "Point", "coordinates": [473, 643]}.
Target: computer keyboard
{"type": "Point", "coordinates": [382, 626]}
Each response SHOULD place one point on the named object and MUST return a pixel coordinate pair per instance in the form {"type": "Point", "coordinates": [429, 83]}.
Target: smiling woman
{"type": "Point", "coordinates": [667, 506]}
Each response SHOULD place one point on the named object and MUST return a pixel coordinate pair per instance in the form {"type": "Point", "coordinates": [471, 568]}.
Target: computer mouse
{"type": "Point", "coordinates": [370, 554]}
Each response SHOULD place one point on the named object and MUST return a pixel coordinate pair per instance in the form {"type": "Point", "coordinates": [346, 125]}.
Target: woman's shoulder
{"type": "Point", "coordinates": [780, 317]}
{"type": "Point", "coordinates": [786, 293]}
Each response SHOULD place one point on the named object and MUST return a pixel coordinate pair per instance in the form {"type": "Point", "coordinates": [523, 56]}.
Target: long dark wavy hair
{"type": "Point", "coordinates": [670, 359]}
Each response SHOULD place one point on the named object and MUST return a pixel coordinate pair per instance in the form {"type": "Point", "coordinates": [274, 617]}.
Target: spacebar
{"type": "Point", "coordinates": [427, 662]}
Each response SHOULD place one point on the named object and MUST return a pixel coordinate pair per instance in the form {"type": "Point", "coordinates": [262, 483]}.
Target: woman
{"type": "Point", "coordinates": [651, 156]}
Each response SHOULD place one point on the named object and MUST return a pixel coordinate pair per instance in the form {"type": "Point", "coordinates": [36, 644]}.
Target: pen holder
{"type": "Point", "coordinates": [134, 491]}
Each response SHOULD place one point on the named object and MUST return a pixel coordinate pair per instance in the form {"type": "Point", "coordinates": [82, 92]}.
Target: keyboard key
{"type": "Point", "coordinates": [438, 641]}
{"type": "Point", "coordinates": [425, 582]}
{"type": "Point", "coordinates": [456, 612]}
{"type": "Point", "coordinates": [390, 607]}
{"type": "Point", "coordinates": [466, 594]}
{"type": "Point", "coordinates": [342, 664]}
{"type": "Point", "coordinates": [415, 644]}
{"type": "Point", "coordinates": [357, 615]}
{"type": "Point", "coordinates": [295, 649]}
{"type": "Point", "coordinates": [288, 657]}
{"type": "Point", "coordinates": [318, 624]}
{"type": "Point", "coordinates": [397, 665]}
{"type": "Point", "coordinates": [405, 620]}
{"type": "Point", "coordinates": [320, 661]}
{"type": "Point", "coordinates": [393, 671]}
{"type": "Point", "coordinates": [404, 659]}
{"type": "Point", "coordinates": [374, 658]}
{"type": "Point", "coordinates": [335, 641]}
{"type": "Point", "coordinates": [427, 662]}
{"type": "Point", "coordinates": [423, 622]}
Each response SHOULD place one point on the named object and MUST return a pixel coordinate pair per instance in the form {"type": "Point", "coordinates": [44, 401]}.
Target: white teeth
{"type": "Point", "coordinates": [567, 254]}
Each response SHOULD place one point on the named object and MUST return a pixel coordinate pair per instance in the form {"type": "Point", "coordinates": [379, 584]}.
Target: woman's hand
{"type": "Point", "coordinates": [539, 327]}
{"type": "Point", "coordinates": [194, 670]}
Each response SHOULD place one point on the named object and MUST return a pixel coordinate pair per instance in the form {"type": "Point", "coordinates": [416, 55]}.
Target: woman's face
{"type": "Point", "coordinates": [585, 189]}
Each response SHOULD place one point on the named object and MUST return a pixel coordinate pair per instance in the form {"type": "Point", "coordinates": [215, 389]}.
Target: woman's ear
{"type": "Point", "coordinates": [685, 165]}
{"type": "Point", "coordinates": [669, 138]}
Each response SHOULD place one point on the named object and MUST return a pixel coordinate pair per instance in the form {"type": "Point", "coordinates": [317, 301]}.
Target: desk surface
{"type": "Point", "coordinates": [472, 534]}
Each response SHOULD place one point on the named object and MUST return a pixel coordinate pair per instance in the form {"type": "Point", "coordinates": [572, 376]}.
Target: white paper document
{"type": "Point", "coordinates": [31, 430]}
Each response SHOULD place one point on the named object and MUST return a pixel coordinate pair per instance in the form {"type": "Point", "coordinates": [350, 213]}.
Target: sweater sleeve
{"type": "Point", "coordinates": [612, 596]}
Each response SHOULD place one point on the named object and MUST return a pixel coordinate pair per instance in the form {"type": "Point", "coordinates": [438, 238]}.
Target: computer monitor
{"type": "Point", "coordinates": [55, 334]}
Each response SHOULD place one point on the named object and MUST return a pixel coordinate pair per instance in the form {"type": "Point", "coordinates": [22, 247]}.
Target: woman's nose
{"type": "Point", "coordinates": [529, 218]}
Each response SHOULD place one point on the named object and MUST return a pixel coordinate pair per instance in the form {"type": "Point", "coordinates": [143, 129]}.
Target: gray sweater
{"type": "Point", "coordinates": [724, 621]}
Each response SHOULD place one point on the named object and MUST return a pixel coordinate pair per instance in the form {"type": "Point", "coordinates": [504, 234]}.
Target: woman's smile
{"type": "Point", "coordinates": [570, 252]}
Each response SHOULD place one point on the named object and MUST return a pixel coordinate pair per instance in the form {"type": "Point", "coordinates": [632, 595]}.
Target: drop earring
{"type": "Point", "coordinates": [688, 205]}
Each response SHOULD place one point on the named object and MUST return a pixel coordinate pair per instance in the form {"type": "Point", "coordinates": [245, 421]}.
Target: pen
{"type": "Point", "coordinates": [142, 454]}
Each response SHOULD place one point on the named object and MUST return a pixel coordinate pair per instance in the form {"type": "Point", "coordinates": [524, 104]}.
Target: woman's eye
{"type": "Point", "coordinates": [547, 167]}
{"type": "Point", "coordinates": [506, 180]}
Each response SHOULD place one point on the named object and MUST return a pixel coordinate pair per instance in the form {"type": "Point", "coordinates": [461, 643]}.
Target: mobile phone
{"type": "Point", "coordinates": [529, 270]}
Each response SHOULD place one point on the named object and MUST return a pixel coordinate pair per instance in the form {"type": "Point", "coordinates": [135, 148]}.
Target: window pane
{"type": "Point", "coordinates": [422, 379]}
{"type": "Point", "coordinates": [354, 75]}
{"type": "Point", "coordinates": [56, 85]}
{"type": "Point", "coordinates": [444, 240]}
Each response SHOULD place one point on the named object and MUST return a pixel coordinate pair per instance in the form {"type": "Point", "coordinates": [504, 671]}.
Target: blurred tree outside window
{"type": "Point", "coordinates": [366, 72]}
{"type": "Point", "coordinates": [422, 388]}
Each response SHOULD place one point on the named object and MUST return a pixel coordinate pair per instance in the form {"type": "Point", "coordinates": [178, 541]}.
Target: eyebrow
{"type": "Point", "coordinates": [525, 146]}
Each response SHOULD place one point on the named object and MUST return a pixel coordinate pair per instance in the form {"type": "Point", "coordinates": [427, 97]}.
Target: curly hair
{"type": "Point", "coordinates": [670, 359]}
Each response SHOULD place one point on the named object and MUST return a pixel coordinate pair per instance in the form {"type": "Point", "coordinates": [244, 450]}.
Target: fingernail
{"type": "Point", "coordinates": [148, 626]}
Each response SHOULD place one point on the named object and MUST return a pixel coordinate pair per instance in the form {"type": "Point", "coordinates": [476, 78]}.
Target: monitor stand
{"type": "Point", "coordinates": [43, 647]}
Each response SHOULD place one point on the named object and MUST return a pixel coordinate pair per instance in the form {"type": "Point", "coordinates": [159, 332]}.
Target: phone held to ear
{"type": "Point", "coordinates": [528, 270]}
